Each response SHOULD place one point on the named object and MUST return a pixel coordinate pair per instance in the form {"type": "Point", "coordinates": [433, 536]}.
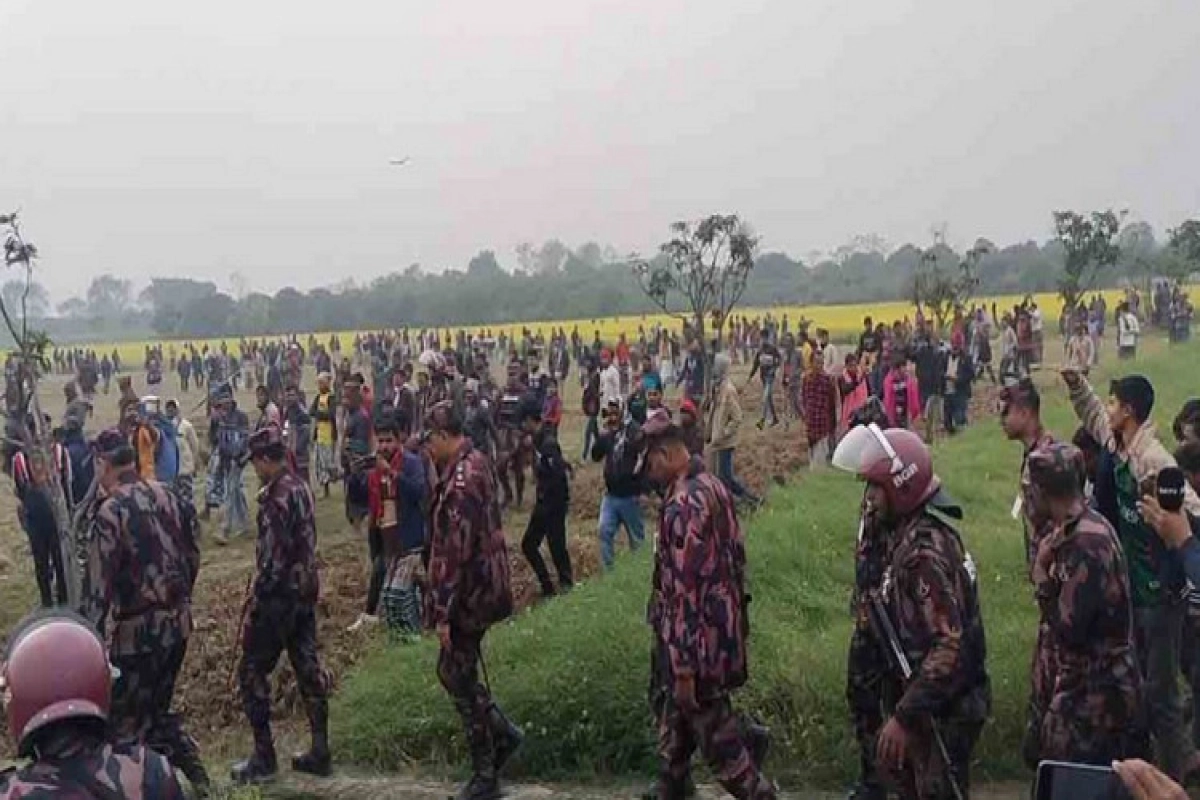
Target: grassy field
{"type": "Point", "coordinates": [573, 673]}
{"type": "Point", "coordinates": [843, 322]}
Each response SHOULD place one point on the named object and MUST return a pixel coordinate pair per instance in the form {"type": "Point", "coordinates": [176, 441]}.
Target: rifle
{"type": "Point", "coordinates": [885, 632]}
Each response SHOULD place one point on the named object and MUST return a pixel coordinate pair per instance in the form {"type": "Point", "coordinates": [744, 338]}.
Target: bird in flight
{"type": "Point", "coordinates": [399, 162]}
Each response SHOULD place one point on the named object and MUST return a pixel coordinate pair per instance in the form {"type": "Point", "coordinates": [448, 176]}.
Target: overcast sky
{"type": "Point", "coordinates": [158, 138]}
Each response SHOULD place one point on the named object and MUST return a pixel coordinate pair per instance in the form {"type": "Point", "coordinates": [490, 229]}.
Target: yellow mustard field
{"type": "Point", "coordinates": [841, 320]}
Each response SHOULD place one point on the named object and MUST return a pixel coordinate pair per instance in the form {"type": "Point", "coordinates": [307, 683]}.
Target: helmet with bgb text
{"type": "Point", "coordinates": [895, 460]}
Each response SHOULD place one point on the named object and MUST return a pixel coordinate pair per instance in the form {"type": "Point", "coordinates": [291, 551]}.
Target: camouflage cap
{"type": "Point", "coordinates": [262, 440]}
{"type": "Point", "coordinates": [1022, 393]}
{"type": "Point", "coordinates": [1058, 469]}
{"type": "Point", "coordinates": [109, 441]}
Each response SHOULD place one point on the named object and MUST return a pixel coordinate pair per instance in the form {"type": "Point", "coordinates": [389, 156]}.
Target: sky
{"type": "Point", "coordinates": [198, 140]}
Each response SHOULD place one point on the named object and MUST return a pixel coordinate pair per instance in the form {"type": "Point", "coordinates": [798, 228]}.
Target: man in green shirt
{"type": "Point", "coordinates": [1130, 465]}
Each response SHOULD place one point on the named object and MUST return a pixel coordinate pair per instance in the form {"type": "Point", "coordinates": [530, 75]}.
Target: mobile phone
{"type": "Point", "coordinates": [1058, 780]}
{"type": "Point", "coordinates": [1169, 488]}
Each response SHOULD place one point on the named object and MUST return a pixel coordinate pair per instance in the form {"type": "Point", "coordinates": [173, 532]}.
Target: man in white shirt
{"type": "Point", "coordinates": [189, 451]}
{"type": "Point", "coordinates": [610, 380]}
{"type": "Point", "coordinates": [1128, 330]}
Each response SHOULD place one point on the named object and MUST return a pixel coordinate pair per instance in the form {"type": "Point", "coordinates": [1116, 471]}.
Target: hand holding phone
{"type": "Point", "coordinates": [1059, 780]}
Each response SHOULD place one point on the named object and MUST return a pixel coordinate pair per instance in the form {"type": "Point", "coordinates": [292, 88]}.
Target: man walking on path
{"type": "Point", "coordinates": [699, 596]}
{"type": "Point", "coordinates": [469, 584]}
{"type": "Point", "coordinates": [281, 612]}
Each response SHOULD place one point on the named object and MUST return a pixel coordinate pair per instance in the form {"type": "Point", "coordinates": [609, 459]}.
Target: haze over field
{"type": "Point", "coordinates": [148, 138]}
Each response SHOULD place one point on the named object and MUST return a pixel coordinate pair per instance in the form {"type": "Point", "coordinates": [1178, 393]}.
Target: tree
{"type": "Point", "coordinates": [72, 308]}
{"type": "Point", "coordinates": [484, 265]}
{"type": "Point", "coordinates": [1139, 253]}
{"type": "Point", "coordinates": [707, 263]}
{"type": "Point", "coordinates": [109, 297]}
{"type": "Point", "coordinates": [943, 282]}
{"type": "Point", "coordinates": [1087, 249]}
{"type": "Point", "coordinates": [26, 423]}
{"type": "Point", "coordinates": [1183, 250]}
{"type": "Point", "coordinates": [34, 296]}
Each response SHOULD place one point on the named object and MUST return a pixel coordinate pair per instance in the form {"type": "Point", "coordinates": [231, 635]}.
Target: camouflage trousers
{"type": "Point", "coordinates": [925, 775]}
{"type": "Point", "coordinates": [272, 626]}
{"type": "Point", "coordinates": [1093, 723]}
{"type": "Point", "coordinates": [141, 704]}
{"type": "Point", "coordinates": [458, 671]}
{"type": "Point", "coordinates": [864, 696]}
{"type": "Point", "coordinates": [717, 732]}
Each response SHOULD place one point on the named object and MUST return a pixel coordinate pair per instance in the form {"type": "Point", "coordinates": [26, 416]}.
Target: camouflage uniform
{"type": "Point", "coordinates": [1032, 521]}
{"type": "Point", "coordinates": [1085, 685]}
{"type": "Point", "coordinates": [281, 611]}
{"type": "Point", "coordinates": [142, 561]}
{"type": "Point", "coordinates": [86, 773]}
{"type": "Point", "coordinates": [469, 588]}
{"type": "Point", "coordinates": [699, 618]}
{"type": "Point", "coordinates": [867, 665]}
{"type": "Point", "coordinates": [930, 594]}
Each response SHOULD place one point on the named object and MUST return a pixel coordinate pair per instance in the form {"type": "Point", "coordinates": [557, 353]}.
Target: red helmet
{"type": "Point", "coordinates": [56, 669]}
{"type": "Point", "coordinates": [895, 459]}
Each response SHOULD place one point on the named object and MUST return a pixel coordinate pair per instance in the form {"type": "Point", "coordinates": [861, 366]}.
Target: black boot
{"type": "Point", "coordinates": [507, 738]}
{"type": "Point", "coordinates": [758, 741]}
{"type": "Point", "coordinates": [317, 760]}
{"type": "Point", "coordinates": [483, 784]}
{"type": "Point", "coordinates": [261, 766]}
{"type": "Point", "coordinates": [187, 760]}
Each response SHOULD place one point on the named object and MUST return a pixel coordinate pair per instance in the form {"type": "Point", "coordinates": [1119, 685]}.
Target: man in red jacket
{"type": "Point", "coordinates": [699, 617]}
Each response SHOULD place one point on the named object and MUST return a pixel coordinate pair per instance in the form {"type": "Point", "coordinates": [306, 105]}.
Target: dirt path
{"type": "Point", "coordinates": [389, 787]}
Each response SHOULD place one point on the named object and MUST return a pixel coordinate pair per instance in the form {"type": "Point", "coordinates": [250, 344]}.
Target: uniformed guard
{"type": "Point", "coordinates": [867, 665]}
{"type": "Point", "coordinates": [699, 596]}
{"type": "Point", "coordinates": [926, 617]}
{"type": "Point", "coordinates": [470, 590]}
{"type": "Point", "coordinates": [58, 683]}
{"type": "Point", "coordinates": [1084, 687]}
{"type": "Point", "coordinates": [1021, 419]}
{"type": "Point", "coordinates": [281, 612]}
{"type": "Point", "coordinates": [141, 564]}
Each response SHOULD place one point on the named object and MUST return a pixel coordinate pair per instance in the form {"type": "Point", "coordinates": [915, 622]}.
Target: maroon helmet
{"type": "Point", "coordinates": [896, 460]}
{"type": "Point", "coordinates": [56, 669]}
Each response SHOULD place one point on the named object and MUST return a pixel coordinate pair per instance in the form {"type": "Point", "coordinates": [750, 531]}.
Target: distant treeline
{"type": "Point", "coordinates": [556, 282]}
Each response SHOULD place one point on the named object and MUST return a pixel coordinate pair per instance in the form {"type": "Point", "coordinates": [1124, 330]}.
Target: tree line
{"type": "Point", "coordinates": [555, 281]}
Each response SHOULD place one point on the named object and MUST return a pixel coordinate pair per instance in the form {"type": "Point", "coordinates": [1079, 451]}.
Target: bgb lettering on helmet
{"type": "Point", "coordinates": [904, 475]}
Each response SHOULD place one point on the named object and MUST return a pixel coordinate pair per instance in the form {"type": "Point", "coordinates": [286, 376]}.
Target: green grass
{"type": "Point", "coordinates": [573, 672]}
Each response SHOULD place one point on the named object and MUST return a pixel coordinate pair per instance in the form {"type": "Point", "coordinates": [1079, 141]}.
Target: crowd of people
{"type": "Point", "coordinates": [429, 449]}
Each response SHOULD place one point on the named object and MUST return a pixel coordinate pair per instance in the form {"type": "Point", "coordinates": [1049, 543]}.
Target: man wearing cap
{"type": "Point", "coordinates": [928, 594]}
{"type": "Point", "coordinates": [699, 617]}
{"type": "Point", "coordinates": [1085, 684]}
{"type": "Point", "coordinates": [1131, 458]}
{"type": "Point", "coordinates": [1021, 421]}
{"type": "Point", "coordinates": [470, 590]}
{"type": "Point", "coordinates": [141, 564]}
{"type": "Point", "coordinates": [281, 613]}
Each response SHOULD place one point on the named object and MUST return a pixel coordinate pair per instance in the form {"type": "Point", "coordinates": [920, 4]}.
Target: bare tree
{"type": "Point", "coordinates": [943, 282]}
{"type": "Point", "coordinates": [707, 264]}
{"type": "Point", "coordinates": [26, 424]}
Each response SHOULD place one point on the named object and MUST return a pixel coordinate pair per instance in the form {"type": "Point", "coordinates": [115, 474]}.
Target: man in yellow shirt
{"type": "Point", "coordinates": [324, 416]}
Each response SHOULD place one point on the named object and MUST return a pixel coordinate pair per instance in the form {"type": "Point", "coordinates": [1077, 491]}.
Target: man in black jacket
{"type": "Point", "coordinates": [549, 518]}
{"type": "Point", "coordinates": [618, 447]}
{"type": "Point", "coordinates": [930, 359]}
